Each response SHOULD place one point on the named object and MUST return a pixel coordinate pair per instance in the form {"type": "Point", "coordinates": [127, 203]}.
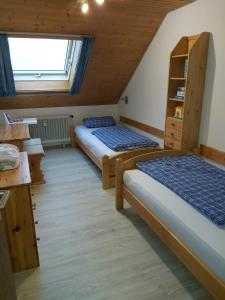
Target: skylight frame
{"type": "Point", "coordinates": [52, 85]}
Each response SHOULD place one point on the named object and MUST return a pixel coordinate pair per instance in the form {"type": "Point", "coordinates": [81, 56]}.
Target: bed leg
{"type": "Point", "coordinates": [119, 184]}
{"type": "Point", "coordinates": [72, 137]}
{"type": "Point", "coordinates": [105, 182]}
{"type": "Point", "coordinates": [105, 173]}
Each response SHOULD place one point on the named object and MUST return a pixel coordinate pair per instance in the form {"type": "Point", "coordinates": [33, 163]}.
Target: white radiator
{"type": "Point", "coordinates": [52, 130]}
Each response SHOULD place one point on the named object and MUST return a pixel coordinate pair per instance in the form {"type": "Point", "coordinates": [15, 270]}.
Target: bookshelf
{"type": "Point", "coordinates": [185, 92]}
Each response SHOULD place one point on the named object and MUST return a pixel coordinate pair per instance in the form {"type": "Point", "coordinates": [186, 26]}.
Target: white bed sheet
{"type": "Point", "coordinates": [93, 143]}
{"type": "Point", "coordinates": [204, 238]}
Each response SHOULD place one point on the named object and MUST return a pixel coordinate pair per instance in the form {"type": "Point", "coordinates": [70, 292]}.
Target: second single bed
{"type": "Point", "coordinates": [196, 236]}
{"type": "Point", "coordinates": [103, 156]}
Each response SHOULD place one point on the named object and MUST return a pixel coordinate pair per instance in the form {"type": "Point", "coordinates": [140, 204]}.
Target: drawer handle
{"type": "Point", "coordinates": [16, 229]}
{"type": "Point", "coordinates": [35, 222]}
{"type": "Point", "coordinates": [172, 134]}
{"type": "Point", "coordinates": [38, 239]}
{"type": "Point", "coordinates": [173, 124]}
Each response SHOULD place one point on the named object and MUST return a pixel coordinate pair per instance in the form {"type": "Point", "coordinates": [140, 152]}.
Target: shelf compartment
{"type": "Point", "coordinates": [173, 86]}
{"type": "Point", "coordinates": [177, 68]}
{"type": "Point", "coordinates": [177, 100]}
{"type": "Point", "coordinates": [171, 110]}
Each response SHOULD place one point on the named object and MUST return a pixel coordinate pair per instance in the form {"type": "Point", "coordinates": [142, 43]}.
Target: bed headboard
{"type": "Point", "coordinates": [149, 129]}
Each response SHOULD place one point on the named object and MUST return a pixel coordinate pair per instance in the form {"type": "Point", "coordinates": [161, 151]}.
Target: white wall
{"type": "Point", "coordinates": [147, 90]}
{"type": "Point", "coordinates": [79, 112]}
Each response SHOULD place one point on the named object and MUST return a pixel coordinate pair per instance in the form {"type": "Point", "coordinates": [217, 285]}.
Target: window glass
{"type": "Point", "coordinates": [38, 59]}
{"type": "Point", "coordinates": [38, 54]}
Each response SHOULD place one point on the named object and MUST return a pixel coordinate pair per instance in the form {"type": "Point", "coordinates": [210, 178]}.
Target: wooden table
{"type": "Point", "coordinates": [14, 134]}
{"type": "Point", "coordinates": [18, 217]}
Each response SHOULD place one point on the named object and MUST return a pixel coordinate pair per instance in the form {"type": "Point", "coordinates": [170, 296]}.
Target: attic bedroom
{"type": "Point", "coordinates": [112, 150]}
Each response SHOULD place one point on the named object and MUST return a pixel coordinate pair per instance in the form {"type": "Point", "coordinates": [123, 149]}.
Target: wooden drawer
{"type": "Point", "coordinates": [18, 217]}
{"type": "Point", "coordinates": [174, 123]}
{"type": "Point", "coordinates": [172, 143]}
{"type": "Point", "coordinates": [173, 133]}
{"type": "Point", "coordinates": [20, 230]}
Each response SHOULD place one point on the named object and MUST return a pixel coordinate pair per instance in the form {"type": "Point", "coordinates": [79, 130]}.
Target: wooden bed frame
{"type": "Point", "coordinates": [210, 281]}
{"type": "Point", "coordinates": [108, 163]}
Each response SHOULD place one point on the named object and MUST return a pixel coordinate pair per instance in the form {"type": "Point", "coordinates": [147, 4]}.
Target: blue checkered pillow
{"type": "Point", "coordinates": [98, 122]}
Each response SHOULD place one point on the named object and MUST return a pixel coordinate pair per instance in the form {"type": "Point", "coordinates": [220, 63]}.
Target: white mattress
{"type": "Point", "coordinates": [93, 143]}
{"type": "Point", "coordinates": [204, 238]}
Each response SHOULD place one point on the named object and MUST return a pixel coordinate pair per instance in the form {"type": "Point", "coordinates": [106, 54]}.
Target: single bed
{"type": "Point", "coordinates": [195, 240]}
{"type": "Point", "coordinates": [101, 155]}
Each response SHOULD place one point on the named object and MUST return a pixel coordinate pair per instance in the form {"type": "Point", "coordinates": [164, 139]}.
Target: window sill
{"type": "Point", "coordinates": [33, 93]}
{"type": "Point", "coordinates": [42, 87]}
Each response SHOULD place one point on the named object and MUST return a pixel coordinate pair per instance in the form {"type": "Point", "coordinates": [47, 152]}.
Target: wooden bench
{"type": "Point", "coordinates": [35, 152]}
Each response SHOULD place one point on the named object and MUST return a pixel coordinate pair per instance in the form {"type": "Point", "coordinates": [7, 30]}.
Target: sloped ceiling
{"type": "Point", "coordinates": [123, 29]}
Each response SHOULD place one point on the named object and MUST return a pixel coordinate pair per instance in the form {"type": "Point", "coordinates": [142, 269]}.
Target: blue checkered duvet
{"type": "Point", "coordinates": [120, 138]}
{"type": "Point", "coordinates": [199, 183]}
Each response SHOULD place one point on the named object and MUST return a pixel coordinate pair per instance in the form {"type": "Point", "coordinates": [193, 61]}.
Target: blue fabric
{"type": "Point", "coordinates": [199, 183]}
{"type": "Point", "coordinates": [82, 64]}
{"type": "Point", "coordinates": [120, 138]}
{"type": "Point", "coordinates": [7, 85]}
{"type": "Point", "coordinates": [97, 122]}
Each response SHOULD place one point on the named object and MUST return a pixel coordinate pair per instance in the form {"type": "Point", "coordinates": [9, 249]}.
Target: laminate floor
{"type": "Point", "coordinates": [89, 251]}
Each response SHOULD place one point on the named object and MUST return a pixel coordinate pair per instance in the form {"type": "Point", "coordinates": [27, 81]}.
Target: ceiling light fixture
{"type": "Point", "coordinates": [100, 2]}
{"type": "Point", "coordinates": [85, 7]}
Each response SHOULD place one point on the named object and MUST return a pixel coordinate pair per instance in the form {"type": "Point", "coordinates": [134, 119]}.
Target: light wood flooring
{"type": "Point", "coordinates": [88, 251]}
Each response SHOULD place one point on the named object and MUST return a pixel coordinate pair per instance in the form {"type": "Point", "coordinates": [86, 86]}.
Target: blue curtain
{"type": "Point", "coordinates": [82, 64]}
{"type": "Point", "coordinates": [7, 85]}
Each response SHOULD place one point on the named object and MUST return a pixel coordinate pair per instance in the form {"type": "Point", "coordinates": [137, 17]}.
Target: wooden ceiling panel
{"type": "Point", "coordinates": [123, 30]}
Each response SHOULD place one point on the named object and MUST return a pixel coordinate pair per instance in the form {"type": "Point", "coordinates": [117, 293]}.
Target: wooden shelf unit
{"type": "Point", "coordinates": [183, 134]}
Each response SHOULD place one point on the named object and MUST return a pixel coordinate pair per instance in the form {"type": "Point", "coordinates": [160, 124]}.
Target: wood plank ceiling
{"type": "Point", "coordinates": [123, 30]}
